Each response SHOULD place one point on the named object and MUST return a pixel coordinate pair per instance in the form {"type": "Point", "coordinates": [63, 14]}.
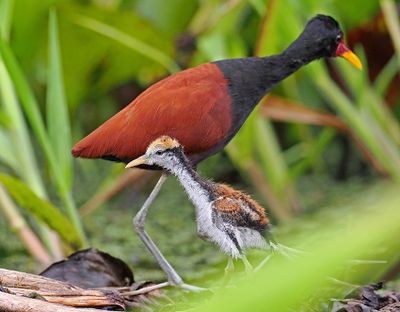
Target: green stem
{"type": "Point", "coordinates": [389, 10]}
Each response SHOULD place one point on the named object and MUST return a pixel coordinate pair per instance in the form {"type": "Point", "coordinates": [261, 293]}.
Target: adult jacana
{"type": "Point", "coordinates": [204, 107]}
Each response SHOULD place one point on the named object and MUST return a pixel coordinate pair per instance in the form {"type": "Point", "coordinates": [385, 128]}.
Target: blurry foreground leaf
{"type": "Point", "coordinates": [368, 232]}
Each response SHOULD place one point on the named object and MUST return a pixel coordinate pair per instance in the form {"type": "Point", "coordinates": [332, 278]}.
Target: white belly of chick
{"type": "Point", "coordinates": [206, 228]}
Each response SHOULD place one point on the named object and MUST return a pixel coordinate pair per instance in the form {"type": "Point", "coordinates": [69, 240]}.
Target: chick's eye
{"type": "Point", "coordinates": [159, 152]}
{"type": "Point", "coordinates": [338, 38]}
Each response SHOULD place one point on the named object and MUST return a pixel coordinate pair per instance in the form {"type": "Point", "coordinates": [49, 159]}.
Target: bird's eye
{"type": "Point", "coordinates": [159, 152]}
{"type": "Point", "coordinates": [338, 38]}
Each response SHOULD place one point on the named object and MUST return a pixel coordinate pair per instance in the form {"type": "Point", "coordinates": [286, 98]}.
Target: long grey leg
{"type": "Point", "coordinates": [138, 222]}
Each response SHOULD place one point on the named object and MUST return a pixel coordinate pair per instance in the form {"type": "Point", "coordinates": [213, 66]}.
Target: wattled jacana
{"type": "Point", "coordinates": [227, 217]}
{"type": "Point", "coordinates": [204, 107]}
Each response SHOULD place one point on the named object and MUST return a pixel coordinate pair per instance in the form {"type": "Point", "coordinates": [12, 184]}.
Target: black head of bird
{"type": "Point", "coordinates": [321, 38]}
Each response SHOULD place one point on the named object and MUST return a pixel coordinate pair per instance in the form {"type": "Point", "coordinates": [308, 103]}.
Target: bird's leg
{"type": "Point", "coordinates": [247, 265]}
{"type": "Point", "coordinates": [138, 221]}
{"type": "Point", "coordinates": [288, 252]}
{"type": "Point", "coordinates": [262, 263]}
{"type": "Point", "coordinates": [230, 267]}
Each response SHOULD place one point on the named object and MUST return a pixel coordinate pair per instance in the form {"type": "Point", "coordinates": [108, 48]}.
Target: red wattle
{"type": "Point", "coordinates": [341, 49]}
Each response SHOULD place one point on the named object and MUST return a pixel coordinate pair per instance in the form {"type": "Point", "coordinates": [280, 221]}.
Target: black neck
{"type": "Point", "coordinates": [250, 78]}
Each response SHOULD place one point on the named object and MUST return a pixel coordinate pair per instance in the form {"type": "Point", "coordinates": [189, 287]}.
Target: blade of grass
{"type": "Point", "coordinates": [50, 238]}
{"type": "Point", "coordinates": [259, 6]}
{"type": "Point", "coordinates": [7, 156]}
{"type": "Point", "coordinates": [126, 40]}
{"type": "Point", "coordinates": [58, 124]}
{"type": "Point", "coordinates": [211, 13]}
{"type": "Point", "coordinates": [269, 153]}
{"type": "Point", "coordinates": [386, 75]}
{"type": "Point", "coordinates": [31, 108]}
{"type": "Point", "coordinates": [367, 99]}
{"type": "Point", "coordinates": [280, 109]}
{"type": "Point", "coordinates": [382, 114]}
{"type": "Point", "coordinates": [392, 21]}
{"type": "Point", "coordinates": [41, 209]}
{"type": "Point", "coordinates": [314, 152]}
{"type": "Point", "coordinates": [23, 150]}
{"type": "Point", "coordinates": [355, 120]}
{"type": "Point", "coordinates": [6, 10]}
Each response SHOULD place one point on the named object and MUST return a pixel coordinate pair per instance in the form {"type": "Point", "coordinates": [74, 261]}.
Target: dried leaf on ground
{"type": "Point", "coordinates": [370, 299]}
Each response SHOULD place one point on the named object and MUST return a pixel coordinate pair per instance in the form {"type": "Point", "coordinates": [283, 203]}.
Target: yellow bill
{"type": "Point", "coordinates": [352, 58]}
{"type": "Point", "coordinates": [136, 162]}
{"type": "Point", "coordinates": [347, 54]}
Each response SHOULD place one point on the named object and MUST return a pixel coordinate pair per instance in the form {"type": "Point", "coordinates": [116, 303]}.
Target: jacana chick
{"type": "Point", "coordinates": [226, 217]}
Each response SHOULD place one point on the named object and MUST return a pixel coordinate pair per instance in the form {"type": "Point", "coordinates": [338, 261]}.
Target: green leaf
{"type": "Point", "coordinates": [269, 151]}
{"type": "Point", "coordinates": [171, 17]}
{"type": "Point", "coordinates": [31, 108]}
{"type": "Point", "coordinates": [386, 75]}
{"type": "Point", "coordinates": [6, 7]}
{"type": "Point", "coordinates": [58, 123]}
{"type": "Point", "coordinates": [127, 40]}
{"type": "Point", "coordinates": [7, 156]}
{"type": "Point", "coordinates": [5, 121]}
{"type": "Point", "coordinates": [18, 134]}
{"type": "Point", "coordinates": [41, 209]}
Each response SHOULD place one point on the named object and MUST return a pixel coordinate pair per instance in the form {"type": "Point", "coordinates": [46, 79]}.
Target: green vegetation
{"type": "Point", "coordinates": [315, 152]}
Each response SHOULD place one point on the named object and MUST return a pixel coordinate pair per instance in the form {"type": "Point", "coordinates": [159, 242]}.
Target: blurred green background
{"type": "Point", "coordinates": [325, 139]}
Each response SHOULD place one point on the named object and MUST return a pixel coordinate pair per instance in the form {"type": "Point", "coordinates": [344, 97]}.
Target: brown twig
{"type": "Point", "coordinates": [13, 303]}
{"type": "Point", "coordinates": [30, 285]}
{"type": "Point", "coordinates": [126, 179]}
{"type": "Point", "coordinates": [280, 109]}
{"type": "Point", "coordinates": [22, 229]}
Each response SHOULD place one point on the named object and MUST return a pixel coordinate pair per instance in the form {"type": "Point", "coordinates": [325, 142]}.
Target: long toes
{"type": "Point", "coordinates": [292, 250]}
{"type": "Point", "coordinates": [262, 263]}
{"type": "Point", "coordinates": [192, 288]}
{"type": "Point", "coordinates": [287, 252]}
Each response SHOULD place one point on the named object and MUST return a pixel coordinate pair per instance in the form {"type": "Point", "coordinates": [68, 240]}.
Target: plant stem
{"type": "Point", "coordinates": [18, 224]}
{"type": "Point", "coordinates": [33, 114]}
